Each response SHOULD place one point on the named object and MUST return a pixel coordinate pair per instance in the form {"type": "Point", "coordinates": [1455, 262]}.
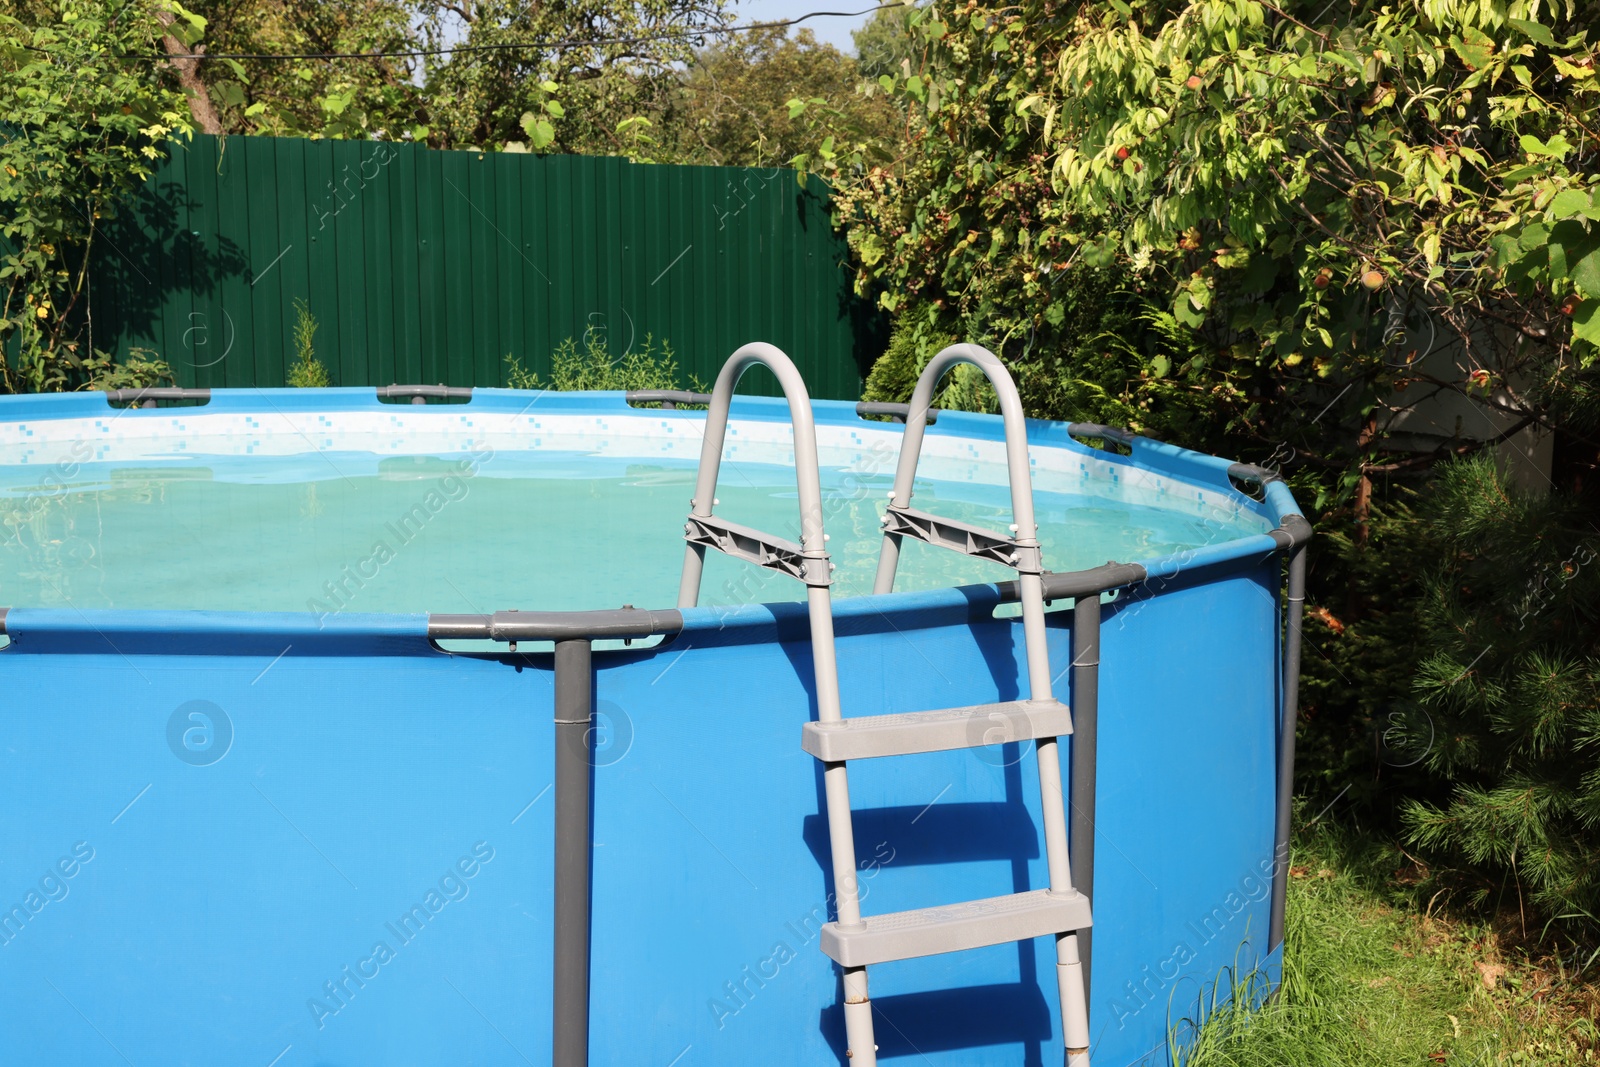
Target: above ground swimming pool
{"type": "Point", "coordinates": [280, 755]}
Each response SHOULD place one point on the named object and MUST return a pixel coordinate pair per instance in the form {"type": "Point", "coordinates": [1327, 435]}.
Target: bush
{"type": "Point", "coordinates": [86, 117]}
{"type": "Point", "coordinates": [307, 372]}
{"type": "Point", "coordinates": [1509, 681]}
{"type": "Point", "coordinates": [592, 367]}
{"type": "Point", "coordinates": [141, 368]}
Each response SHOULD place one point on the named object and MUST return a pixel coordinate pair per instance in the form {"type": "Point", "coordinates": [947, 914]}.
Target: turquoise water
{"type": "Point", "coordinates": [553, 531]}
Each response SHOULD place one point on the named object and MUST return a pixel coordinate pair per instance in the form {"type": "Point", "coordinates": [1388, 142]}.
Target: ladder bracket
{"type": "Point", "coordinates": [753, 546]}
{"type": "Point", "coordinates": [963, 537]}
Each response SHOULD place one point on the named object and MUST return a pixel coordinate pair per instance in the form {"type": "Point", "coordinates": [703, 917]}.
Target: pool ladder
{"type": "Point", "coordinates": [855, 941]}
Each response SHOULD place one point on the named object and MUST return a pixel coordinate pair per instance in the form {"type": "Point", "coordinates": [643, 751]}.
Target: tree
{"type": "Point", "coordinates": [1311, 198]}
{"type": "Point", "coordinates": [734, 106]}
{"type": "Point", "coordinates": [1313, 221]}
{"type": "Point", "coordinates": [485, 74]}
{"type": "Point", "coordinates": [886, 41]}
{"type": "Point", "coordinates": [82, 127]}
{"type": "Point", "coordinates": [1509, 690]}
{"type": "Point", "coordinates": [357, 97]}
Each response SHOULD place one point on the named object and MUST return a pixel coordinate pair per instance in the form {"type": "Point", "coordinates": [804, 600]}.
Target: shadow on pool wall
{"type": "Point", "coordinates": [306, 893]}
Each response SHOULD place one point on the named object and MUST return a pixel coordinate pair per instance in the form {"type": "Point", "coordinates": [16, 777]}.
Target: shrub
{"type": "Point", "coordinates": [1509, 680]}
{"type": "Point", "coordinates": [592, 367]}
{"type": "Point", "coordinates": [141, 368]}
{"type": "Point", "coordinates": [86, 118]}
{"type": "Point", "coordinates": [307, 372]}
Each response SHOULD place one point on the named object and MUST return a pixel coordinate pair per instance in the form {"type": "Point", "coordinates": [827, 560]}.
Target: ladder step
{"type": "Point", "coordinates": [903, 935]}
{"type": "Point", "coordinates": [961, 537]}
{"type": "Point", "coordinates": [935, 731]}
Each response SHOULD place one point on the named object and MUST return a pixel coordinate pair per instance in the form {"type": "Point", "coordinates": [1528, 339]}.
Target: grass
{"type": "Point", "coordinates": [1374, 977]}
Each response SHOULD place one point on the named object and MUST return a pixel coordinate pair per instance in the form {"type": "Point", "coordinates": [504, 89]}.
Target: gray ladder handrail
{"type": "Point", "coordinates": [816, 576]}
{"type": "Point", "coordinates": [703, 533]}
{"type": "Point", "coordinates": [1026, 560]}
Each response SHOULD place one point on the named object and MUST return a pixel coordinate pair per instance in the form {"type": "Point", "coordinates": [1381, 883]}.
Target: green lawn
{"type": "Point", "coordinates": [1372, 978]}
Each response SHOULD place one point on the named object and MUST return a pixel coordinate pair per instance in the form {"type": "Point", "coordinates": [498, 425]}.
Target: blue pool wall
{"type": "Point", "coordinates": [223, 903]}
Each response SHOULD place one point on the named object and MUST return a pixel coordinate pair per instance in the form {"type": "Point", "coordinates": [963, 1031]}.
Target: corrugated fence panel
{"type": "Point", "coordinates": [435, 266]}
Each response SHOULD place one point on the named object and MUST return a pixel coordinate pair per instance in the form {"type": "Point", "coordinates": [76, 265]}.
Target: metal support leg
{"type": "Point", "coordinates": [574, 769]}
{"type": "Point", "coordinates": [1286, 728]}
{"type": "Point", "coordinates": [1085, 722]}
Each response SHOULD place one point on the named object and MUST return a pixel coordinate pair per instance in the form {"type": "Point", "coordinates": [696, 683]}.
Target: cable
{"type": "Point", "coordinates": [566, 42]}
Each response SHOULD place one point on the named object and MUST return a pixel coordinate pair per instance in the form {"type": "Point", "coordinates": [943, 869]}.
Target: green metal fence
{"type": "Point", "coordinates": [427, 266]}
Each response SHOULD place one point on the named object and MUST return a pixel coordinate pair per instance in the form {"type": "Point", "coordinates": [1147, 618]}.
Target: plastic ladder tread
{"type": "Point", "coordinates": [905, 935]}
{"type": "Point", "coordinates": [867, 736]}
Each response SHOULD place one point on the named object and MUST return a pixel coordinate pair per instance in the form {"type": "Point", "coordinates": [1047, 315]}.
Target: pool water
{"type": "Point", "coordinates": [466, 533]}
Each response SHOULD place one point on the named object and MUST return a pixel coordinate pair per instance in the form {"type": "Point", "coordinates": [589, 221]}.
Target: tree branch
{"type": "Point", "coordinates": [187, 64]}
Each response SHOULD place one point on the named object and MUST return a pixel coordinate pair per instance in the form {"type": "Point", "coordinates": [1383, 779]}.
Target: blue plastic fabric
{"type": "Point", "coordinates": [224, 901]}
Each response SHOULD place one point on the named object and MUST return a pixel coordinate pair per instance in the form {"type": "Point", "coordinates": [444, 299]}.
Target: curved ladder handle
{"type": "Point", "coordinates": [813, 541]}
{"type": "Point", "coordinates": [1027, 530]}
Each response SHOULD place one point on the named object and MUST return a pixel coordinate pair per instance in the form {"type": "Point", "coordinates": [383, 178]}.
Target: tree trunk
{"type": "Point", "coordinates": [1362, 508]}
{"type": "Point", "coordinates": [188, 68]}
{"type": "Point", "coordinates": [1363, 501]}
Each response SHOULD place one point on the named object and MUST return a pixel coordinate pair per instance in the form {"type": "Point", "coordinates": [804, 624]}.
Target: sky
{"type": "Point", "coordinates": [834, 31]}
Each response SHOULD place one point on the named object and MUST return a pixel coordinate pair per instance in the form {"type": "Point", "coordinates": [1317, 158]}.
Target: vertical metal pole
{"type": "Point", "coordinates": [574, 770]}
{"type": "Point", "coordinates": [1286, 728]}
{"type": "Point", "coordinates": [1085, 724]}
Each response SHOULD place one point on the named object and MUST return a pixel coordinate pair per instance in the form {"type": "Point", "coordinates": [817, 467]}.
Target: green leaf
{"type": "Point", "coordinates": [1533, 31]}
{"type": "Point", "coordinates": [1475, 47]}
{"type": "Point", "coordinates": [1186, 313]}
{"type": "Point", "coordinates": [1503, 250]}
{"type": "Point", "coordinates": [1570, 202]}
{"type": "Point", "coordinates": [1571, 70]}
{"type": "Point", "coordinates": [1533, 236]}
{"type": "Point", "coordinates": [871, 249]}
{"type": "Point", "coordinates": [540, 132]}
{"type": "Point", "coordinates": [1557, 146]}
{"type": "Point", "coordinates": [1160, 366]}
{"type": "Point", "coordinates": [1557, 254]}
{"type": "Point", "coordinates": [1586, 321]}
{"type": "Point", "coordinates": [1586, 273]}
{"type": "Point", "coordinates": [555, 110]}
